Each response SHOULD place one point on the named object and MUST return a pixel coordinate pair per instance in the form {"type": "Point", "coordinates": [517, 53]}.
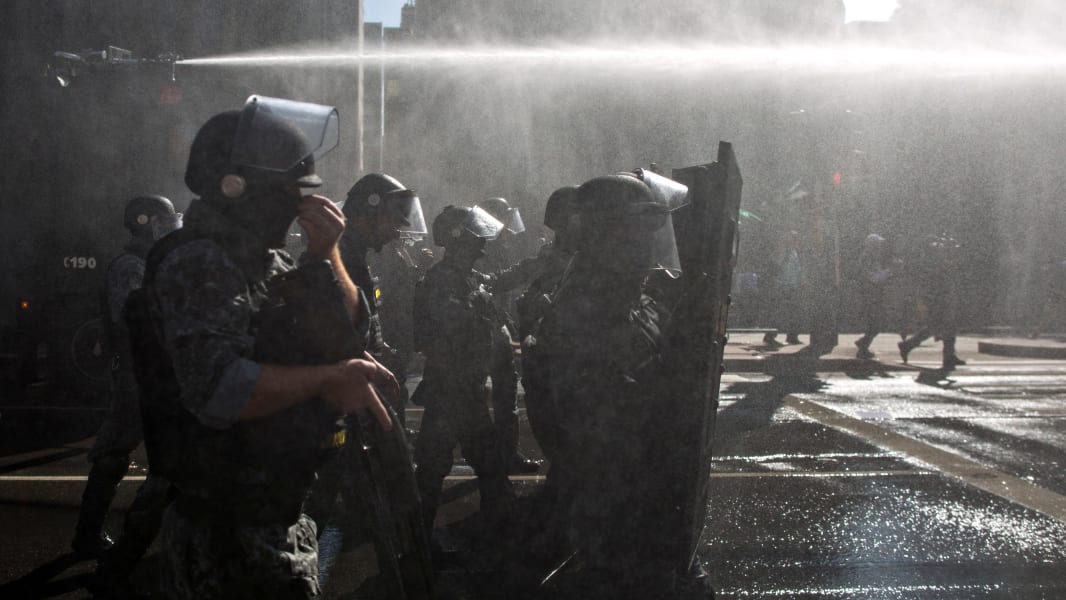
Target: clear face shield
{"type": "Point", "coordinates": [510, 217]}
{"type": "Point", "coordinates": [672, 194]}
{"type": "Point", "coordinates": [652, 245]}
{"type": "Point", "coordinates": [407, 209]}
{"type": "Point", "coordinates": [265, 134]}
{"type": "Point", "coordinates": [657, 222]}
{"type": "Point", "coordinates": [164, 224]}
{"type": "Point", "coordinates": [513, 221]}
{"type": "Point", "coordinates": [481, 224]}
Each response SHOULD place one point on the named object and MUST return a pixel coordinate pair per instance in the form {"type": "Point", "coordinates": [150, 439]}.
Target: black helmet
{"type": "Point", "coordinates": [209, 157]}
{"type": "Point", "coordinates": [378, 191]}
{"type": "Point", "coordinates": [270, 141]}
{"type": "Point", "coordinates": [562, 204]}
{"type": "Point", "coordinates": [461, 223]}
{"type": "Point", "coordinates": [501, 210]}
{"type": "Point", "coordinates": [624, 220]}
{"type": "Point", "coordinates": [140, 210]}
{"type": "Point", "coordinates": [142, 214]}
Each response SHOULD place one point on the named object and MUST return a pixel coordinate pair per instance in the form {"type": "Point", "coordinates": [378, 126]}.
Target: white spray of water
{"type": "Point", "coordinates": [839, 59]}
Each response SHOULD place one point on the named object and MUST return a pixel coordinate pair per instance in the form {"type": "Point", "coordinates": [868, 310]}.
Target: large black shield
{"type": "Point", "coordinates": [706, 232]}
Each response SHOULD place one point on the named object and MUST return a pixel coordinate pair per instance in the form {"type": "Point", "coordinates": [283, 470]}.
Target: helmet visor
{"type": "Point", "coordinates": [275, 134]}
{"type": "Point", "coordinates": [514, 222]}
{"type": "Point", "coordinates": [669, 195]}
{"type": "Point", "coordinates": [651, 229]}
{"type": "Point", "coordinates": [164, 224]}
{"type": "Point", "coordinates": [664, 249]}
{"type": "Point", "coordinates": [481, 224]}
{"type": "Point", "coordinates": [672, 194]}
{"type": "Point", "coordinates": [408, 210]}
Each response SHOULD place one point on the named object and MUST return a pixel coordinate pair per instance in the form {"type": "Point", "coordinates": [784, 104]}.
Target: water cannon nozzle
{"type": "Point", "coordinates": [65, 66]}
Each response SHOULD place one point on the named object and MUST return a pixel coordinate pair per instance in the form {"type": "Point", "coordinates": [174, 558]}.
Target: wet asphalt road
{"type": "Point", "coordinates": [824, 485]}
{"type": "Point", "coordinates": [888, 488]}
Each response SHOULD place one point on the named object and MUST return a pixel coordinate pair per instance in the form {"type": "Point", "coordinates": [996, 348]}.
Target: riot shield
{"type": "Point", "coordinates": [706, 232]}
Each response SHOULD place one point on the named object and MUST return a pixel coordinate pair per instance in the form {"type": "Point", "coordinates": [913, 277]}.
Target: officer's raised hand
{"type": "Point", "coordinates": [348, 390]}
{"type": "Point", "coordinates": [324, 224]}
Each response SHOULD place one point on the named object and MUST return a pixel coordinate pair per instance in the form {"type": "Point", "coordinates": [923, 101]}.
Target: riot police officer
{"type": "Point", "coordinates": [147, 218]}
{"type": "Point", "coordinates": [379, 209]}
{"type": "Point", "coordinates": [552, 259]}
{"type": "Point", "coordinates": [541, 410]}
{"type": "Point", "coordinates": [454, 328]}
{"type": "Point", "coordinates": [505, 277]}
{"type": "Point", "coordinates": [242, 425]}
{"type": "Point", "coordinates": [550, 264]}
{"type": "Point", "coordinates": [602, 348]}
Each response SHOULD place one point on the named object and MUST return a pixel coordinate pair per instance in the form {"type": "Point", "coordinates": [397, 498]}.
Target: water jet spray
{"type": "Point", "coordinates": [844, 59]}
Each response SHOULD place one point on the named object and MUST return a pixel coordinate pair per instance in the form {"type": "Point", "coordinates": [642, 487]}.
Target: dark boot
{"type": "Point", "coordinates": [950, 359]}
{"type": "Point", "coordinates": [863, 344]}
{"type": "Point", "coordinates": [865, 354]}
{"type": "Point", "coordinates": [950, 362]}
{"type": "Point", "coordinates": [89, 537]}
{"type": "Point", "coordinates": [143, 520]}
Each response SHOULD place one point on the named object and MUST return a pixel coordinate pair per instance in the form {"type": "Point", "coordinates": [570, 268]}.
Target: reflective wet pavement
{"type": "Point", "coordinates": [807, 504]}
{"type": "Point", "coordinates": [872, 482]}
{"type": "Point", "coordinates": [883, 535]}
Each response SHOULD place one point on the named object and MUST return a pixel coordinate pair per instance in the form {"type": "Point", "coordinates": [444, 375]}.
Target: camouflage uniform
{"type": "Point", "coordinates": [236, 529]}
{"type": "Point", "coordinates": [224, 559]}
{"type": "Point", "coordinates": [454, 328]}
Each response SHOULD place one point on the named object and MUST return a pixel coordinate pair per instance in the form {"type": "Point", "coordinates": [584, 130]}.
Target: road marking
{"type": "Point", "coordinates": [61, 478]}
{"type": "Point", "coordinates": [751, 474]}
{"type": "Point", "coordinates": [824, 474]}
{"type": "Point", "coordinates": [729, 475]}
{"type": "Point", "coordinates": [1009, 487]}
{"type": "Point", "coordinates": [760, 458]}
{"type": "Point", "coordinates": [46, 407]}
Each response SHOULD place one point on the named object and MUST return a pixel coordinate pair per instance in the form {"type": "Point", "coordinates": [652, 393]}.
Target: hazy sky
{"type": "Point", "coordinates": [869, 10]}
{"type": "Point", "coordinates": [388, 11]}
{"type": "Point", "coordinates": [383, 11]}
